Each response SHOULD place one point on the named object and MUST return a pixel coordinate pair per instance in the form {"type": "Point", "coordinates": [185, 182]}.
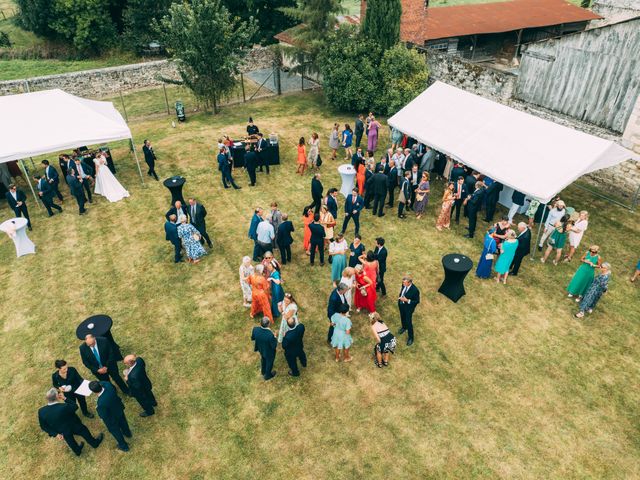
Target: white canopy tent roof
{"type": "Point", "coordinates": [534, 156]}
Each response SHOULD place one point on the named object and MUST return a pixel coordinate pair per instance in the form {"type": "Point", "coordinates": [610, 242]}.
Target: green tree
{"type": "Point", "coordinates": [35, 16]}
{"type": "Point", "coordinates": [382, 22]}
{"type": "Point", "coordinates": [86, 23]}
{"type": "Point", "coordinates": [138, 18]}
{"type": "Point", "coordinates": [404, 76]}
{"type": "Point", "coordinates": [271, 20]}
{"type": "Point", "coordinates": [208, 45]}
{"type": "Point", "coordinates": [349, 69]}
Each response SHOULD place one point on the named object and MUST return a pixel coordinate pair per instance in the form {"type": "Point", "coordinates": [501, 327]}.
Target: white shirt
{"type": "Point", "coordinates": [80, 171]}
{"type": "Point", "coordinates": [265, 232]}
{"type": "Point", "coordinates": [554, 216]}
{"type": "Point", "coordinates": [404, 292]}
{"type": "Point", "coordinates": [46, 172]}
{"type": "Point", "coordinates": [14, 195]}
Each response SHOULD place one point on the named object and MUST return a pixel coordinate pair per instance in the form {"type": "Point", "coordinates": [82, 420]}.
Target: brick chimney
{"type": "Point", "coordinates": [363, 10]}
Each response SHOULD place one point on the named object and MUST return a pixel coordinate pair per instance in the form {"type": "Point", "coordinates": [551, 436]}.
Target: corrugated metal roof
{"type": "Point", "coordinates": [456, 21]}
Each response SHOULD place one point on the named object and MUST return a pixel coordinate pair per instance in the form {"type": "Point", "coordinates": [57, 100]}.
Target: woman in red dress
{"type": "Point", "coordinates": [307, 218]}
{"type": "Point", "coordinates": [365, 290]}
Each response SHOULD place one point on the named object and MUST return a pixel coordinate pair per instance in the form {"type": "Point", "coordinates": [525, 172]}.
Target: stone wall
{"type": "Point", "coordinates": [106, 82]}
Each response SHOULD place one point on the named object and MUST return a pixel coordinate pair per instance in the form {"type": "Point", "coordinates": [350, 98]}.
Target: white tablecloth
{"type": "Point", "coordinates": [348, 174]}
{"type": "Point", "coordinates": [24, 245]}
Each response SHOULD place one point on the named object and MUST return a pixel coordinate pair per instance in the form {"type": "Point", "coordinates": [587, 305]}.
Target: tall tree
{"type": "Point", "coordinates": [35, 16]}
{"type": "Point", "coordinates": [86, 23]}
{"type": "Point", "coordinates": [208, 45]}
{"type": "Point", "coordinates": [138, 19]}
{"type": "Point", "coordinates": [382, 21]}
{"type": "Point", "coordinates": [271, 19]}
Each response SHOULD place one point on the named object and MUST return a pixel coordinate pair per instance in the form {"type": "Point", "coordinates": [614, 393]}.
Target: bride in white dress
{"type": "Point", "coordinates": [106, 184]}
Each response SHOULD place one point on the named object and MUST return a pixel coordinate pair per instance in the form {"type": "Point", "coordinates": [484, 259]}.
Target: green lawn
{"type": "Point", "coordinates": [504, 384]}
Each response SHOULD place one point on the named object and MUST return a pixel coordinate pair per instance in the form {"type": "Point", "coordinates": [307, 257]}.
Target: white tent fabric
{"type": "Point", "coordinates": [534, 156]}
{"type": "Point", "coordinates": [52, 120]}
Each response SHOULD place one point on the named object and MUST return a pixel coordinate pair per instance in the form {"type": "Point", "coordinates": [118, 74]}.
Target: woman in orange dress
{"type": "Point", "coordinates": [260, 299]}
{"type": "Point", "coordinates": [307, 218]}
{"type": "Point", "coordinates": [365, 290]}
{"type": "Point", "coordinates": [360, 176]}
{"type": "Point", "coordinates": [302, 157]}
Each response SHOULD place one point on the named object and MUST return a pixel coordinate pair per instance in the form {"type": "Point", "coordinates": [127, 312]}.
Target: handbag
{"type": "Point", "coordinates": [363, 291]}
{"type": "Point", "coordinates": [489, 256]}
{"type": "Point", "coordinates": [318, 161]}
{"type": "Point", "coordinates": [420, 197]}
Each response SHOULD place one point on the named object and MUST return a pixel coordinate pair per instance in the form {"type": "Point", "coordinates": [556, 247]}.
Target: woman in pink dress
{"type": "Point", "coordinates": [372, 136]}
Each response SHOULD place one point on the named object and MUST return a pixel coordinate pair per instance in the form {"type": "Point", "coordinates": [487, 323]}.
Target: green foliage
{"type": "Point", "coordinates": [208, 44]}
{"type": "Point", "coordinates": [86, 23]}
{"type": "Point", "coordinates": [349, 68]}
{"type": "Point", "coordinates": [5, 41]}
{"type": "Point", "coordinates": [268, 13]}
{"type": "Point", "coordinates": [138, 17]}
{"type": "Point", "coordinates": [404, 76]}
{"type": "Point", "coordinates": [382, 22]}
{"type": "Point", "coordinates": [35, 16]}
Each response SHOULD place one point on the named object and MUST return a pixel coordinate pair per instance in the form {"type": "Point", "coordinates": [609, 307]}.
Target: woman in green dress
{"type": "Point", "coordinates": [557, 239]}
{"type": "Point", "coordinates": [341, 339]}
{"type": "Point", "coordinates": [584, 275]}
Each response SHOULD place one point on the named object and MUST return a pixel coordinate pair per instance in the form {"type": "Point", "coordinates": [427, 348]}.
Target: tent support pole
{"type": "Point", "coordinates": [135, 155]}
{"type": "Point", "coordinates": [535, 246]}
{"type": "Point", "coordinates": [26, 175]}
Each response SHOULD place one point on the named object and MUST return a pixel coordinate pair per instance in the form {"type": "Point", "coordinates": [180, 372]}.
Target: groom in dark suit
{"type": "Point", "coordinates": [76, 190]}
{"type": "Point", "coordinates": [83, 173]}
{"type": "Point", "coordinates": [265, 343]}
{"type": "Point", "coordinates": [197, 212]}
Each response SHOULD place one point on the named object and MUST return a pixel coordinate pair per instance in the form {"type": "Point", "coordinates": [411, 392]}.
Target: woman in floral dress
{"type": "Point", "coordinates": [598, 287]}
{"type": "Point", "coordinates": [190, 240]}
{"type": "Point", "coordinates": [444, 219]}
{"type": "Point", "coordinates": [246, 270]}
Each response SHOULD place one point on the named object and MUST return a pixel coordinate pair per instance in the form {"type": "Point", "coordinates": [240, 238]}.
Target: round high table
{"type": "Point", "coordinates": [456, 267]}
{"type": "Point", "coordinates": [175, 184]}
{"type": "Point", "coordinates": [348, 174]}
{"type": "Point", "coordinates": [16, 228]}
{"type": "Point", "coordinates": [99, 326]}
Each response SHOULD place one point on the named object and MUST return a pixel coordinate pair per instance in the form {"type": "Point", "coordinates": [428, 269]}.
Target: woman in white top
{"type": "Point", "coordinates": [314, 150]}
{"type": "Point", "coordinates": [349, 279]}
{"type": "Point", "coordinates": [289, 309]}
{"type": "Point", "coordinates": [576, 233]}
{"type": "Point", "coordinates": [338, 254]}
{"type": "Point", "coordinates": [334, 141]}
{"type": "Point", "coordinates": [106, 184]}
{"type": "Point", "coordinates": [246, 270]}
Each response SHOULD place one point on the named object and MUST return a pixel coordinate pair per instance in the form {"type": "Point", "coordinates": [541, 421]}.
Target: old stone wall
{"type": "Point", "coordinates": [106, 82]}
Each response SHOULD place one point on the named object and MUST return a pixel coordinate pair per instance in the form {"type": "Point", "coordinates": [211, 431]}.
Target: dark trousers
{"type": "Point", "coordinates": [359, 139]}
{"type": "Point", "coordinates": [80, 201]}
{"type": "Point", "coordinates": [368, 197]}
{"type": "Point", "coordinates": [292, 361]}
{"type": "Point", "coordinates": [48, 204]}
{"type": "Point", "coordinates": [266, 367]}
{"type": "Point", "coordinates": [330, 333]}
{"type": "Point", "coordinates": [392, 189]}
{"type": "Point", "coordinates": [401, 206]}
{"type": "Point", "coordinates": [473, 218]}
{"type": "Point", "coordinates": [317, 203]}
{"type": "Point", "coordinates": [152, 169]}
{"type": "Point", "coordinates": [113, 374]}
{"type": "Point", "coordinates": [257, 250]}
{"type": "Point", "coordinates": [204, 235]}
{"type": "Point", "coordinates": [86, 184]}
{"type": "Point", "coordinates": [378, 204]}
{"type": "Point", "coordinates": [515, 264]}
{"type": "Point", "coordinates": [146, 400]}
{"type": "Point", "coordinates": [457, 205]}
{"type": "Point", "coordinates": [177, 251]}
{"type": "Point", "coordinates": [491, 209]}
{"type": "Point", "coordinates": [320, 247]}
{"type": "Point", "coordinates": [226, 177]}
{"type": "Point", "coordinates": [22, 211]}
{"type": "Point", "coordinates": [82, 431]}
{"type": "Point", "coordinates": [120, 429]}
{"type": "Point", "coordinates": [56, 190]}
{"type": "Point", "coordinates": [380, 285]}
{"type": "Point", "coordinates": [262, 162]}
{"type": "Point", "coordinates": [285, 254]}
{"type": "Point", "coordinates": [356, 220]}
{"type": "Point", "coordinates": [82, 402]}
{"type": "Point", "coordinates": [406, 318]}
{"type": "Point", "coordinates": [252, 176]}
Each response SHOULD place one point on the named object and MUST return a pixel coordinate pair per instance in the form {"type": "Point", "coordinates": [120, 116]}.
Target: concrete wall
{"type": "Point", "coordinates": [105, 82]}
{"type": "Point", "coordinates": [614, 11]}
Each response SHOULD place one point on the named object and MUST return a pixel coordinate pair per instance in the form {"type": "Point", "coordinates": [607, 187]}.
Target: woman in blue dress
{"type": "Point", "coordinates": [356, 248]}
{"type": "Point", "coordinates": [341, 339]}
{"type": "Point", "coordinates": [599, 285]}
{"type": "Point", "coordinates": [347, 141]}
{"type": "Point", "coordinates": [338, 251]}
{"type": "Point", "coordinates": [508, 251]}
{"type": "Point", "coordinates": [277, 292]}
{"type": "Point", "coordinates": [190, 240]}
{"type": "Point", "coordinates": [486, 257]}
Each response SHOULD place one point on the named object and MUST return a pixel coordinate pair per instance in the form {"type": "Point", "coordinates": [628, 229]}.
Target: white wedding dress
{"type": "Point", "coordinates": [106, 184]}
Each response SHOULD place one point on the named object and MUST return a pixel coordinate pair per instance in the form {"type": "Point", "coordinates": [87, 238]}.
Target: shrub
{"type": "Point", "coordinates": [404, 76]}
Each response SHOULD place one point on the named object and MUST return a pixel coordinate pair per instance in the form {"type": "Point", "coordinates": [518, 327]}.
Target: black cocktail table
{"type": "Point", "coordinates": [456, 267]}
{"type": "Point", "coordinates": [99, 326]}
{"type": "Point", "coordinates": [175, 184]}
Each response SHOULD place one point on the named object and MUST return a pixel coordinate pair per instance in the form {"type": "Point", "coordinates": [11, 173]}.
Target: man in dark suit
{"type": "Point", "coordinates": [383, 165]}
{"type": "Point", "coordinates": [63, 162]}
{"type": "Point", "coordinates": [139, 384]}
{"type": "Point", "coordinates": [392, 181]}
{"type": "Point", "coordinates": [265, 343]}
{"type": "Point", "coordinates": [523, 249]}
{"type": "Point", "coordinates": [293, 347]}
{"type": "Point", "coordinates": [410, 159]}
{"type": "Point", "coordinates": [284, 239]}
{"type": "Point", "coordinates": [316, 193]}
{"type": "Point", "coordinates": [332, 202]}
{"type": "Point", "coordinates": [336, 299]}
{"type": "Point", "coordinates": [261, 147]}
{"type": "Point", "coordinates": [250, 163]}
{"type": "Point", "coordinates": [517, 201]}
{"type": "Point", "coordinates": [253, 233]}
{"type": "Point", "coordinates": [46, 194]}
{"type": "Point", "coordinates": [381, 255]}
{"type": "Point", "coordinates": [379, 190]}
{"type": "Point", "coordinates": [368, 185]}
{"type": "Point", "coordinates": [75, 187]}
{"type": "Point", "coordinates": [473, 204]}
{"type": "Point", "coordinates": [405, 190]}
{"type": "Point", "coordinates": [178, 210]}
{"type": "Point", "coordinates": [224, 165]}
{"type": "Point", "coordinates": [150, 159]}
{"type": "Point", "coordinates": [18, 202]}
{"type": "Point", "coordinates": [83, 173]}
{"type": "Point", "coordinates": [460, 194]}
{"type": "Point", "coordinates": [408, 300]}
{"type": "Point", "coordinates": [317, 239]}
{"type": "Point", "coordinates": [492, 196]}
{"type": "Point", "coordinates": [98, 355]}
{"type": "Point", "coordinates": [111, 410]}
{"type": "Point", "coordinates": [457, 171]}
{"type": "Point", "coordinates": [470, 182]}
{"type": "Point", "coordinates": [197, 214]}
{"type": "Point", "coordinates": [51, 175]}
{"type": "Point", "coordinates": [359, 129]}
{"type": "Point", "coordinates": [352, 207]}
{"type": "Point", "coordinates": [59, 419]}
{"type": "Point", "coordinates": [171, 235]}
{"type": "Point", "coordinates": [357, 158]}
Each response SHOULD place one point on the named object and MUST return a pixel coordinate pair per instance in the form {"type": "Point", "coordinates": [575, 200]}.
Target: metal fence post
{"type": "Point", "coordinates": [244, 98]}
{"type": "Point", "coordinates": [126, 117]}
{"type": "Point", "coordinates": [278, 80]}
{"type": "Point", "coordinates": [166, 100]}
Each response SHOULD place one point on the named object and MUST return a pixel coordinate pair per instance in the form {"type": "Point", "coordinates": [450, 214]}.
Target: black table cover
{"type": "Point", "coordinates": [271, 154]}
{"type": "Point", "coordinates": [454, 274]}
{"type": "Point", "coordinates": [98, 326]}
{"type": "Point", "coordinates": [175, 184]}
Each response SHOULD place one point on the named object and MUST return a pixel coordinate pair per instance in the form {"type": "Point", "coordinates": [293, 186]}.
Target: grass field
{"type": "Point", "coordinates": [504, 384]}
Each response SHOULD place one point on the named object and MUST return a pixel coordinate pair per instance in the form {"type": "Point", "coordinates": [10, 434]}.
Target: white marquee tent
{"type": "Point", "coordinates": [52, 120]}
{"type": "Point", "coordinates": [534, 156]}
